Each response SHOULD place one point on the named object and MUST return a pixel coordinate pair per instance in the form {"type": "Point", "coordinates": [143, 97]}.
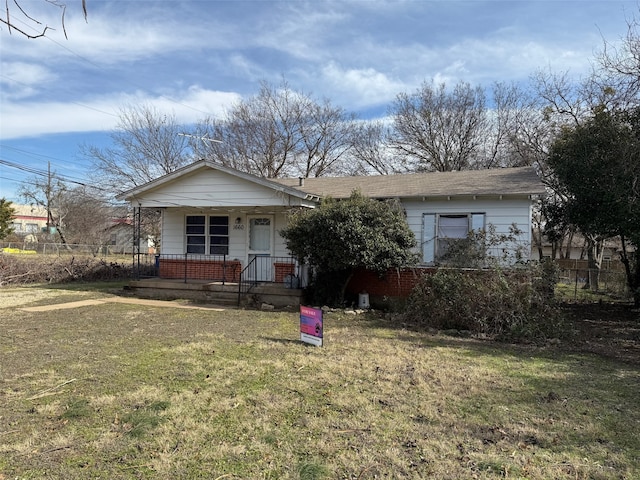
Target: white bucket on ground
{"type": "Point", "coordinates": [363, 300]}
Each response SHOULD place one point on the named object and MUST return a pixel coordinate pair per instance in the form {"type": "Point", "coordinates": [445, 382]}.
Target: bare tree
{"type": "Point", "coordinates": [438, 130]}
{"type": "Point", "coordinates": [619, 67]}
{"type": "Point", "coordinates": [277, 133]}
{"type": "Point", "coordinates": [15, 12]}
{"type": "Point", "coordinates": [325, 134]}
{"type": "Point", "coordinates": [369, 151]}
{"type": "Point", "coordinates": [146, 145]}
{"type": "Point", "coordinates": [86, 218]}
{"type": "Point", "coordinates": [512, 122]}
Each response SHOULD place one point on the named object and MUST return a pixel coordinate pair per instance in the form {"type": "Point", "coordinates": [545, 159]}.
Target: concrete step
{"type": "Point", "coordinates": [216, 293]}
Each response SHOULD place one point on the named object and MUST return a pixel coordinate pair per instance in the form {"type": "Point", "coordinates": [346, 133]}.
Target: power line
{"type": "Point", "coordinates": [41, 173]}
{"type": "Point", "coordinates": [57, 161]}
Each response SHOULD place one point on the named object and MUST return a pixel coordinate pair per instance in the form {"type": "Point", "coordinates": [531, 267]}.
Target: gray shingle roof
{"type": "Point", "coordinates": [500, 181]}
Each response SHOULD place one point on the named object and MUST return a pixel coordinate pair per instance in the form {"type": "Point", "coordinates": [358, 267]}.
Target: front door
{"type": "Point", "coordinates": [260, 247]}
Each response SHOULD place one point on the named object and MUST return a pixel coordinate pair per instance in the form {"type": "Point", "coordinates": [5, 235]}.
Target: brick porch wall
{"type": "Point", "coordinates": [282, 270]}
{"type": "Point", "coordinates": [215, 270]}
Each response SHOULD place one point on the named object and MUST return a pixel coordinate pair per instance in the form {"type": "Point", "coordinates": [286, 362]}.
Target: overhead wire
{"type": "Point", "coordinates": [57, 161]}
{"type": "Point", "coordinates": [98, 67]}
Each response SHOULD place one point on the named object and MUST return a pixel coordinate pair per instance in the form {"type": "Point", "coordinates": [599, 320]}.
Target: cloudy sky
{"type": "Point", "coordinates": [195, 58]}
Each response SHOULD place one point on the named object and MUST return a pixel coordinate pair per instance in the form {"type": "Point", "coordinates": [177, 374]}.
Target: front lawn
{"type": "Point", "coordinates": [124, 391]}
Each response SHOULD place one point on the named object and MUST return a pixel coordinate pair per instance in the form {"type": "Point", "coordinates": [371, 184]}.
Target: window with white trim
{"type": "Point", "coordinates": [440, 230]}
{"type": "Point", "coordinates": [207, 234]}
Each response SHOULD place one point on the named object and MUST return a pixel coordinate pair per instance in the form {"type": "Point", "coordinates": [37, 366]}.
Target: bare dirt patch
{"type": "Point", "coordinates": [608, 330]}
{"type": "Point", "coordinates": [20, 296]}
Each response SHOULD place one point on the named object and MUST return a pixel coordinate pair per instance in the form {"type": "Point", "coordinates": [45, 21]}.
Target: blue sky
{"type": "Point", "coordinates": [194, 59]}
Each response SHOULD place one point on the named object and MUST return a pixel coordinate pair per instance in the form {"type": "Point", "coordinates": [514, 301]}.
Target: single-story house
{"type": "Point", "coordinates": [219, 223]}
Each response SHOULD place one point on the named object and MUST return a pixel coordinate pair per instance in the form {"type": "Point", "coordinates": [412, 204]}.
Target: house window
{"type": "Point", "coordinates": [439, 231]}
{"type": "Point", "coordinates": [32, 228]}
{"type": "Point", "coordinates": [207, 234]}
{"type": "Point", "coordinates": [113, 239]}
{"type": "Point", "coordinates": [218, 235]}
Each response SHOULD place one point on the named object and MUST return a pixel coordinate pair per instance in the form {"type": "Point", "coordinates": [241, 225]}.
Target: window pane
{"type": "Point", "coordinates": [195, 240]}
{"type": "Point", "coordinates": [219, 250]}
{"type": "Point", "coordinates": [218, 220]}
{"type": "Point", "coordinates": [453, 226]}
{"type": "Point", "coordinates": [219, 230]}
{"type": "Point", "coordinates": [195, 229]}
{"type": "Point", "coordinates": [477, 222]}
{"type": "Point", "coordinates": [260, 234]}
{"type": "Point", "coordinates": [195, 220]}
{"type": "Point", "coordinates": [428, 237]}
{"type": "Point", "coordinates": [195, 249]}
{"type": "Point", "coordinates": [219, 241]}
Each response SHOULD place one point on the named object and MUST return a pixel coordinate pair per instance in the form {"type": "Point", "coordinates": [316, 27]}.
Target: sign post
{"type": "Point", "coordinates": [311, 325]}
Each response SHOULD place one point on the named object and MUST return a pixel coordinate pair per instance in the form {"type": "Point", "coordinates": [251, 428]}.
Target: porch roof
{"type": "Point", "coordinates": [159, 192]}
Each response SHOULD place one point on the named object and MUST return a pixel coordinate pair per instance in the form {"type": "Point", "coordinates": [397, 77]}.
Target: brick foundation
{"type": "Point", "coordinates": [396, 283]}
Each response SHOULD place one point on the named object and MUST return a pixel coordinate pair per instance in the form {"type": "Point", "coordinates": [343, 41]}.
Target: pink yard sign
{"type": "Point", "coordinates": [311, 325]}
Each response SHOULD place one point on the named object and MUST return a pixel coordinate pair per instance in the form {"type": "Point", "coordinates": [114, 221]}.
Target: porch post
{"type": "Point", "coordinates": [137, 228]}
{"type": "Point", "coordinates": [185, 268]}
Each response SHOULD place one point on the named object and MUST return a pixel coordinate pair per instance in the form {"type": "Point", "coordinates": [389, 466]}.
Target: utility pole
{"type": "Point", "coordinates": [48, 194]}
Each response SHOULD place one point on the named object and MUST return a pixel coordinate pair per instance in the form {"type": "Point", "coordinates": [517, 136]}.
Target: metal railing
{"type": "Point", "coordinates": [268, 269]}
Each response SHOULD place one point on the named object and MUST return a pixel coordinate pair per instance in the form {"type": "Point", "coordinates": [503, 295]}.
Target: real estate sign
{"type": "Point", "coordinates": [311, 325]}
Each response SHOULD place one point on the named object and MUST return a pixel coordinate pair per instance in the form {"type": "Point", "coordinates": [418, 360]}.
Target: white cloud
{"type": "Point", "coordinates": [101, 113]}
{"type": "Point", "coordinates": [364, 87]}
{"type": "Point", "coordinates": [20, 80]}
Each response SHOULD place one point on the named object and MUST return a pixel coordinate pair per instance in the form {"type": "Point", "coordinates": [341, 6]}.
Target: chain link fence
{"type": "Point", "coordinates": [576, 281]}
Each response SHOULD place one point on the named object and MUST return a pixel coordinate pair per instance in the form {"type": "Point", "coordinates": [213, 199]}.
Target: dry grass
{"type": "Point", "coordinates": [131, 391]}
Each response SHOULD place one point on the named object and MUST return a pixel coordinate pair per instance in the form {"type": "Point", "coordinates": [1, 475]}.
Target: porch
{"type": "Point", "coordinates": [217, 279]}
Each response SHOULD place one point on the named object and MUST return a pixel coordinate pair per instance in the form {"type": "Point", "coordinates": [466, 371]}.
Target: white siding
{"type": "Point", "coordinates": [173, 231]}
{"type": "Point", "coordinates": [499, 213]}
{"type": "Point", "coordinates": [213, 188]}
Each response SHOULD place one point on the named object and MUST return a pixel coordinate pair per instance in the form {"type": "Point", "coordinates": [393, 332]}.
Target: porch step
{"type": "Point", "coordinates": [216, 293]}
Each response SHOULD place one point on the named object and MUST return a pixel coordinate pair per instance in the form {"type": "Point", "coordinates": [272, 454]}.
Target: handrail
{"type": "Point", "coordinates": [242, 279]}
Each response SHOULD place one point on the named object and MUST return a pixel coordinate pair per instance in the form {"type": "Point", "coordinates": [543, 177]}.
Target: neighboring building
{"type": "Point", "coordinates": [212, 213]}
{"type": "Point", "coordinates": [119, 238]}
{"type": "Point", "coordinates": [28, 219]}
{"type": "Point", "coordinates": [575, 248]}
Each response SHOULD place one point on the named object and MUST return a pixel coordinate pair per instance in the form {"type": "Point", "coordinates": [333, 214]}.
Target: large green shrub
{"type": "Point", "coordinates": [341, 236]}
{"type": "Point", "coordinates": [514, 304]}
